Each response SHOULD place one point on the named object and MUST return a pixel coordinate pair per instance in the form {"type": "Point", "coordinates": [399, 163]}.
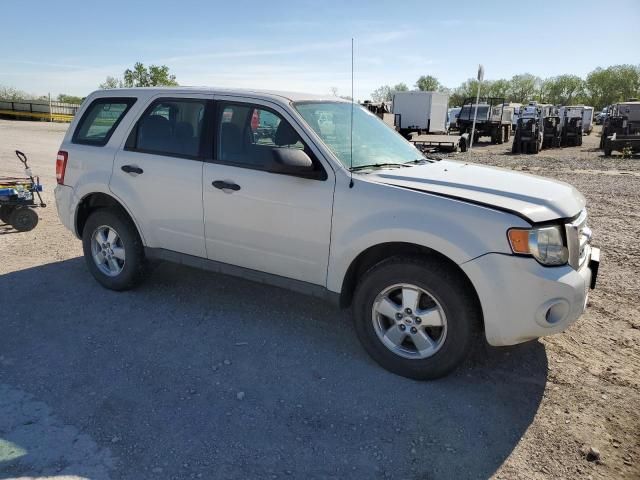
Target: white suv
{"type": "Point", "coordinates": [278, 188]}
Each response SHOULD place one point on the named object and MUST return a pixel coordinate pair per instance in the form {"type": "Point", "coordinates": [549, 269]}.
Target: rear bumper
{"type": "Point", "coordinates": [66, 206]}
{"type": "Point", "coordinates": [522, 300]}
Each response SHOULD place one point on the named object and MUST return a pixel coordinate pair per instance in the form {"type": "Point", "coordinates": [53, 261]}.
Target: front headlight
{"type": "Point", "coordinates": [545, 244]}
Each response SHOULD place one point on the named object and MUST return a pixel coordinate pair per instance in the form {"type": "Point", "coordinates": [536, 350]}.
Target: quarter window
{"type": "Point", "coordinates": [100, 120]}
{"type": "Point", "coordinates": [248, 134]}
{"type": "Point", "coordinates": [170, 127]}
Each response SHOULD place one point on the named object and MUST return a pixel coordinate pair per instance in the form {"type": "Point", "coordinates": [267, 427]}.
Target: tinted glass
{"type": "Point", "coordinates": [371, 140]}
{"type": "Point", "coordinates": [248, 134]}
{"type": "Point", "coordinates": [100, 120]}
{"type": "Point", "coordinates": [171, 127]}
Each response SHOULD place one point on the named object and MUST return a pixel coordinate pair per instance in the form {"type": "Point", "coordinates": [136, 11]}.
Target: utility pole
{"type": "Point", "coordinates": [475, 113]}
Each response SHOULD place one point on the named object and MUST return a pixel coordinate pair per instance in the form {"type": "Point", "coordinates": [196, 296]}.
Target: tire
{"type": "Point", "coordinates": [442, 289]}
{"type": "Point", "coordinates": [5, 212]}
{"type": "Point", "coordinates": [23, 219]}
{"type": "Point", "coordinates": [515, 147]}
{"type": "Point", "coordinates": [123, 247]}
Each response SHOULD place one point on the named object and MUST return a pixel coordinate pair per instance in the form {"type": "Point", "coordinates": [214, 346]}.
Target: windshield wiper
{"type": "Point", "coordinates": [417, 161]}
{"type": "Point", "coordinates": [377, 165]}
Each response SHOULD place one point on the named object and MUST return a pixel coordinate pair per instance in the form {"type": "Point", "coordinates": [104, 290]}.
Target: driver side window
{"type": "Point", "coordinates": [248, 134]}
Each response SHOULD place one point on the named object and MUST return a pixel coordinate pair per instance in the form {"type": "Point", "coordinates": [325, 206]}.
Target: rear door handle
{"type": "Point", "coordinates": [131, 169]}
{"type": "Point", "coordinates": [222, 185]}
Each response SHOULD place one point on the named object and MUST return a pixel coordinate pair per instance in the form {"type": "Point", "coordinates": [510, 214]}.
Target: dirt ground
{"type": "Point", "coordinates": [195, 375]}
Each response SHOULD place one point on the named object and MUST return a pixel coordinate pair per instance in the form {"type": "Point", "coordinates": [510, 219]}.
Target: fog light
{"type": "Point", "coordinates": [553, 312]}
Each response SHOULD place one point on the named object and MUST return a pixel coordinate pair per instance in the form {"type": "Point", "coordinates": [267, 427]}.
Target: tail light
{"type": "Point", "coordinates": [61, 166]}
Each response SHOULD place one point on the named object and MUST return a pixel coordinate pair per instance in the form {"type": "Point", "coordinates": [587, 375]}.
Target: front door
{"type": "Point", "coordinates": [272, 223]}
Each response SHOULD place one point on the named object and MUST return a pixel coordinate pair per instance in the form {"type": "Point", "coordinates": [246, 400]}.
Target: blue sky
{"type": "Point", "coordinates": [71, 46]}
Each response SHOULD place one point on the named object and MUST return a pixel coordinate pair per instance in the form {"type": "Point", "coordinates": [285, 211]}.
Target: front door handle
{"type": "Point", "coordinates": [223, 185]}
{"type": "Point", "coordinates": [131, 169]}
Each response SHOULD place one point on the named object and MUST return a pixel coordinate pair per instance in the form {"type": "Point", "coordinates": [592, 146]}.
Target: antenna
{"type": "Point", "coordinates": [351, 123]}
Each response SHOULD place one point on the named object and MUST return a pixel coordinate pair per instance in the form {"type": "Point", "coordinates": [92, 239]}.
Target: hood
{"type": "Point", "coordinates": [535, 198]}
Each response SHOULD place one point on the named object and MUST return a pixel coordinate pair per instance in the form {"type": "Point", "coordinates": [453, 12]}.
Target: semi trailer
{"type": "Point", "coordinates": [420, 112]}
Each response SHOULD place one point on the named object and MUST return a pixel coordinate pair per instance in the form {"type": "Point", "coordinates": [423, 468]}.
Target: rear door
{"type": "Point", "coordinates": [158, 173]}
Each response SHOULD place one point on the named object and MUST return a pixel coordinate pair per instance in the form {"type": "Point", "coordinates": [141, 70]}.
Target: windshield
{"type": "Point", "coordinates": [374, 142]}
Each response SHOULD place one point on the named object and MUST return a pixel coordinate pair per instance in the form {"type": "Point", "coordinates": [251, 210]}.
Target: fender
{"type": "Point", "coordinates": [452, 227]}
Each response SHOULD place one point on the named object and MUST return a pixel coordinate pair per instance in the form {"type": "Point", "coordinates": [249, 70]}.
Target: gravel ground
{"type": "Point", "coordinates": [196, 375]}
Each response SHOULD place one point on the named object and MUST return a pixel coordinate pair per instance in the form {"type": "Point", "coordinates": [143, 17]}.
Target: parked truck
{"type": "Point", "coordinates": [420, 112]}
{"type": "Point", "coordinates": [621, 129]}
{"type": "Point", "coordinates": [494, 119]}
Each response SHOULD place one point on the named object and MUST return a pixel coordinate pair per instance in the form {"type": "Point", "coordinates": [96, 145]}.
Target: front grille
{"type": "Point", "coordinates": [578, 238]}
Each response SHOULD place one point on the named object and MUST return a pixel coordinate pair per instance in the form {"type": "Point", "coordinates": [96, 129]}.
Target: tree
{"type": "Point", "coordinates": [11, 94]}
{"type": "Point", "coordinates": [385, 92]}
{"type": "Point", "coordinates": [141, 76]}
{"type": "Point", "coordinates": [111, 82]}
{"type": "Point", "coordinates": [524, 87]}
{"type": "Point", "coordinates": [334, 91]}
{"type": "Point", "coordinates": [563, 90]}
{"type": "Point", "coordinates": [612, 84]}
{"type": "Point", "coordinates": [466, 90]}
{"type": "Point", "coordinates": [428, 83]}
{"type": "Point", "coordinates": [70, 99]}
{"type": "Point", "coordinates": [153, 76]}
{"type": "Point", "coordinates": [498, 88]}
{"type": "Point", "coordinates": [400, 87]}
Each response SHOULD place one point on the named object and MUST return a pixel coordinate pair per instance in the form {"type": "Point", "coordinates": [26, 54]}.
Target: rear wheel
{"type": "Point", "coordinates": [23, 219]}
{"type": "Point", "coordinates": [113, 250]}
{"type": "Point", "coordinates": [415, 317]}
{"type": "Point", "coordinates": [5, 212]}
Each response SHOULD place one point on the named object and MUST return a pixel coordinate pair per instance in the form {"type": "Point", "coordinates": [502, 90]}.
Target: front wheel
{"type": "Point", "coordinates": [113, 250]}
{"type": "Point", "coordinates": [415, 317]}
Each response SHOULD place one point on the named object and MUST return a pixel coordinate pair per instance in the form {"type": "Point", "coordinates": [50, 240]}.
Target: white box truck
{"type": "Point", "coordinates": [422, 112]}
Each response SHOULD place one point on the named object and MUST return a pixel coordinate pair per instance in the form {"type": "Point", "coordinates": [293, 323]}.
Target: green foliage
{"type": "Point", "coordinates": [613, 84]}
{"type": "Point", "coordinates": [602, 87]}
{"type": "Point", "coordinates": [428, 83]}
{"type": "Point", "coordinates": [563, 90]}
{"type": "Point", "coordinates": [10, 93]}
{"type": "Point", "coordinates": [70, 99]}
{"type": "Point", "coordinates": [141, 76]}
{"type": "Point", "coordinates": [524, 87]}
{"type": "Point", "coordinates": [400, 87]}
{"type": "Point", "coordinates": [111, 82]}
{"type": "Point", "coordinates": [385, 92]}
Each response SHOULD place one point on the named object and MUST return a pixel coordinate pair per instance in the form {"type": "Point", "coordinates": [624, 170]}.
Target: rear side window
{"type": "Point", "coordinates": [100, 120]}
{"type": "Point", "coordinates": [170, 127]}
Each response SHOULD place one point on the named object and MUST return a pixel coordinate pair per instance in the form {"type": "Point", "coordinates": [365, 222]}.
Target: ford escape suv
{"type": "Point", "coordinates": [318, 195]}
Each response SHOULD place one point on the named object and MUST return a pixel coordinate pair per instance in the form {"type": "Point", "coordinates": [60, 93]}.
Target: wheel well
{"type": "Point", "coordinates": [374, 255]}
{"type": "Point", "coordinates": [92, 202]}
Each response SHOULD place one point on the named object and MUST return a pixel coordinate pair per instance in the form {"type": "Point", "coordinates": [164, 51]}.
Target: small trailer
{"type": "Point", "coordinates": [621, 129]}
{"type": "Point", "coordinates": [421, 112]}
{"type": "Point", "coordinates": [440, 143]}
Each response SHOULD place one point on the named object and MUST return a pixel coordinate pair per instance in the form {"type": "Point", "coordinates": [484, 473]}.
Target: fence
{"type": "Point", "coordinates": [39, 109]}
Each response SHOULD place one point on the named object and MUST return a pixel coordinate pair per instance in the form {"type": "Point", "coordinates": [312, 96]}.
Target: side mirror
{"type": "Point", "coordinates": [292, 161]}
